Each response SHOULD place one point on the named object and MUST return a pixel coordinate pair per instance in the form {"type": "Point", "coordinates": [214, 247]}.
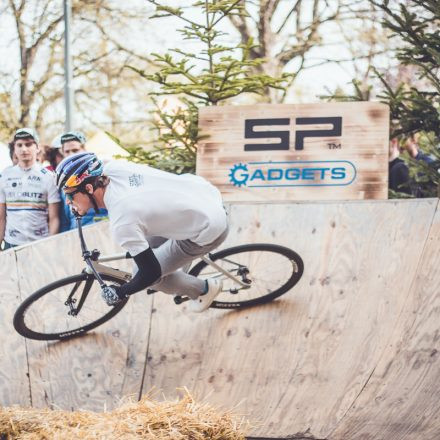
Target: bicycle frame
{"type": "Point", "coordinates": [95, 266]}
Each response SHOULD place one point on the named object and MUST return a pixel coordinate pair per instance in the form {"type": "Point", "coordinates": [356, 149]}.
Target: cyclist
{"type": "Point", "coordinates": [163, 220]}
{"type": "Point", "coordinates": [71, 143]}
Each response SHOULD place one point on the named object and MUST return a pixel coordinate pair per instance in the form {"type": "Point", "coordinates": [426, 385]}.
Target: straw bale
{"type": "Point", "coordinates": [184, 419]}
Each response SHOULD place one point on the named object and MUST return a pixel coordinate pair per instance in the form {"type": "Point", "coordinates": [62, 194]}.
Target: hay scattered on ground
{"type": "Point", "coordinates": [148, 419]}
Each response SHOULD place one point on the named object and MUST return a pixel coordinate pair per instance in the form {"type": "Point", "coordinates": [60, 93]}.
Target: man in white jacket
{"type": "Point", "coordinates": [163, 220]}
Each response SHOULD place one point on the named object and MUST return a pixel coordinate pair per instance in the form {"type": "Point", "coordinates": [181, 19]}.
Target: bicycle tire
{"type": "Point", "coordinates": [24, 329]}
{"type": "Point", "coordinates": [293, 258]}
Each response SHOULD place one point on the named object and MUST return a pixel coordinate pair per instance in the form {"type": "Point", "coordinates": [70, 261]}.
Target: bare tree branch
{"type": "Point", "coordinates": [39, 81]}
{"type": "Point", "coordinates": [287, 17]}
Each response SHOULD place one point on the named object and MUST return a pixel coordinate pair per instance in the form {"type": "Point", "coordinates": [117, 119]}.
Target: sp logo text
{"type": "Point", "coordinates": [301, 133]}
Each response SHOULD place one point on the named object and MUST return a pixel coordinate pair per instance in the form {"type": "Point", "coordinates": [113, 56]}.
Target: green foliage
{"type": "Point", "coordinates": [414, 102]}
{"type": "Point", "coordinates": [416, 109]}
{"type": "Point", "coordinates": [360, 93]}
{"type": "Point", "coordinates": [174, 160]}
{"type": "Point", "coordinates": [213, 75]}
{"type": "Point", "coordinates": [176, 131]}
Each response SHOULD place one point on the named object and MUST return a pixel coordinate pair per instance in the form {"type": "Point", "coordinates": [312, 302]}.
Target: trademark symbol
{"type": "Point", "coordinates": [332, 146]}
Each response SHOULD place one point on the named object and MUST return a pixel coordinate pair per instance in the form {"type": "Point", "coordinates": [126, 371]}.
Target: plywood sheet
{"type": "Point", "coordinates": [96, 371]}
{"type": "Point", "coordinates": [14, 381]}
{"type": "Point", "coordinates": [349, 353]}
{"type": "Point", "coordinates": [400, 399]}
{"type": "Point", "coordinates": [297, 365]}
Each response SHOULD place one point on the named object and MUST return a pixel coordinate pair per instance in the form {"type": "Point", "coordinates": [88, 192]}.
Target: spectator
{"type": "Point", "coordinates": [73, 142]}
{"type": "Point", "coordinates": [29, 200]}
{"type": "Point", "coordinates": [398, 171]}
{"type": "Point", "coordinates": [412, 147]}
{"type": "Point", "coordinates": [53, 154]}
{"type": "Point", "coordinates": [424, 177]}
{"type": "Point", "coordinates": [12, 155]}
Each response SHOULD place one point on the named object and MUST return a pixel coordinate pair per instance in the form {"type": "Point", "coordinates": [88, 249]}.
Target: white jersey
{"type": "Point", "coordinates": [143, 201]}
{"type": "Point", "coordinates": [27, 193]}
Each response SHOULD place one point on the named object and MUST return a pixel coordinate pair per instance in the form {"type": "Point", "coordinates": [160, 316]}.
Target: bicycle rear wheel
{"type": "Point", "coordinates": [46, 314]}
{"type": "Point", "coordinates": [270, 269]}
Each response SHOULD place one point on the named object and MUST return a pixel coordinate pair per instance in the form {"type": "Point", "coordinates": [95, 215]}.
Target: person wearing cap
{"type": "Point", "coordinates": [12, 155]}
{"type": "Point", "coordinates": [53, 153]}
{"type": "Point", "coordinates": [163, 220]}
{"type": "Point", "coordinates": [29, 199]}
{"type": "Point", "coordinates": [73, 142]}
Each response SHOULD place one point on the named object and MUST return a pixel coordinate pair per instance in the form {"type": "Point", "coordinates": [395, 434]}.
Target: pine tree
{"type": "Point", "coordinates": [415, 108]}
{"type": "Point", "coordinates": [217, 73]}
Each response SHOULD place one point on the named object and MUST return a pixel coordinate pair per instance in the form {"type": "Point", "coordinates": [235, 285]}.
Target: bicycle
{"type": "Point", "coordinates": [245, 271]}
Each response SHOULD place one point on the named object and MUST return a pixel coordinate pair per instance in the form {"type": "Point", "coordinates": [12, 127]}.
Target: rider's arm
{"type": "Point", "coordinates": [149, 272]}
{"type": "Point", "coordinates": [67, 219]}
{"type": "Point", "coordinates": [54, 218]}
{"type": "Point", "coordinates": [2, 210]}
{"type": "Point", "coordinates": [53, 201]}
{"type": "Point", "coordinates": [2, 221]}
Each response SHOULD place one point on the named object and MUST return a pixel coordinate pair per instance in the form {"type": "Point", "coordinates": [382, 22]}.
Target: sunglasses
{"type": "Point", "coordinates": [71, 195]}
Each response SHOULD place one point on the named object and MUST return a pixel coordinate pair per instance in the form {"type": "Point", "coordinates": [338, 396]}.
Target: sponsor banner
{"type": "Point", "coordinates": [294, 173]}
{"type": "Point", "coordinates": [329, 151]}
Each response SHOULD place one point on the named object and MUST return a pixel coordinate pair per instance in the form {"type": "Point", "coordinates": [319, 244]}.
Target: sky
{"type": "Point", "coordinates": [310, 84]}
{"type": "Point", "coordinates": [161, 35]}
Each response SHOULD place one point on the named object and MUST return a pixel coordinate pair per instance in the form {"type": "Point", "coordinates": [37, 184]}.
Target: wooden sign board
{"type": "Point", "coordinates": [326, 151]}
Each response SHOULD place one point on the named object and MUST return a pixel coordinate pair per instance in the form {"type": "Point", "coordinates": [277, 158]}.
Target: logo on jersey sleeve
{"type": "Point", "coordinates": [136, 180]}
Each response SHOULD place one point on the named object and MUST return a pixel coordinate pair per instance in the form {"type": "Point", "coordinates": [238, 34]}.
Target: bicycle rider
{"type": "Point", "coordinates": [163, 220]}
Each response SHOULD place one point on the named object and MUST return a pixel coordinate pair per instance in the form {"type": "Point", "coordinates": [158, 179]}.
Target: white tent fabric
{"type": "Point", "coordinates": [104, 147]}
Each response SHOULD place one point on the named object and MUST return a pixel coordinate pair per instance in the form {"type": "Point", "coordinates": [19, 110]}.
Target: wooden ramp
{"type": "Point", "coordinates": [351, 353]}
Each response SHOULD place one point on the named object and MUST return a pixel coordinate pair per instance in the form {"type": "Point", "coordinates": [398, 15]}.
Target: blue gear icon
{"type": "Point", "coordinates": [241, 180]}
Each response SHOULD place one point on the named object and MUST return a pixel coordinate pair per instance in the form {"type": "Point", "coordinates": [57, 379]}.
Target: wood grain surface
{"type": "Point", "coordinates": [298, 364]}
{"type": "Point", "coordinates": [350, 353]}
{"type": "Point", "coordinates": [404, 384]}
{"type": "Point", "coordinates": [14, 382]}
{"type": "Point", "coordinates": [362, 149]}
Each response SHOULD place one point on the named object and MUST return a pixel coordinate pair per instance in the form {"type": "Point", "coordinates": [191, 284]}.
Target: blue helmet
{"type": "Point", "coordinates": [76, 169]}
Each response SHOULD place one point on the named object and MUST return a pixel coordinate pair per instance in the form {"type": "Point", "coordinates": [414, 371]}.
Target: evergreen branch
{"type": "Point", "coordinates": [169, 11]}
{"type": "Point", "coordinates": [227, 11]}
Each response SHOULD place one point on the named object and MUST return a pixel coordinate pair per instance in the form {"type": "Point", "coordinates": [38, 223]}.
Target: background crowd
{"type": "Point", "coordinates": [31, 207]}
{"type": "Point", "coordinates": [410, 169]}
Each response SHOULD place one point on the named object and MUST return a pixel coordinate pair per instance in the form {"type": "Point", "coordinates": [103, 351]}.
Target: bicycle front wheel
{"type": "Point", "coordinates": [65, 309]}
{"type": "Point", "coordinates": [269, 270]}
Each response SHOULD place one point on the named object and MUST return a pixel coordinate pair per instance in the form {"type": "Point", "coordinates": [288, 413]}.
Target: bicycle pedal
{"type": "Point", "coordinates": [180, 299]}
